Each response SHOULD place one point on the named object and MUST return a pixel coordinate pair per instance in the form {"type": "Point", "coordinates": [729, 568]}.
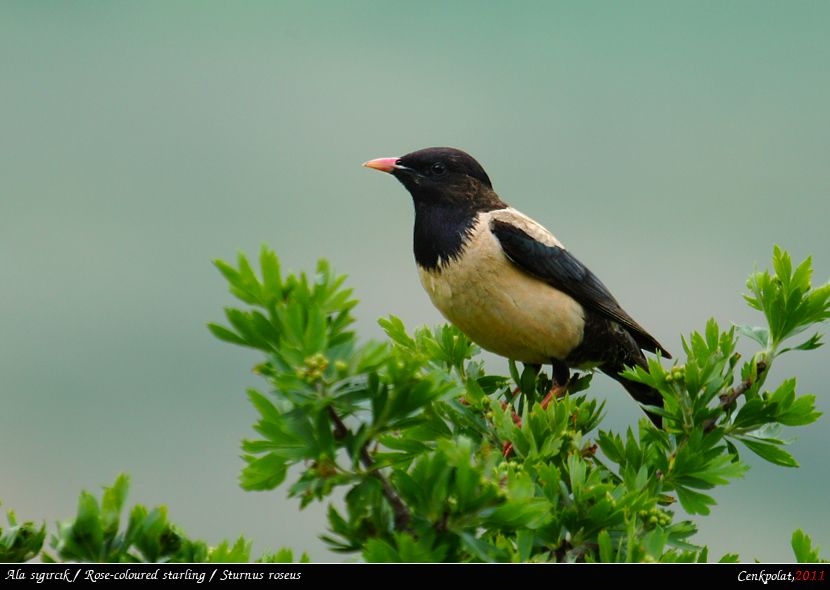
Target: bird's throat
{"type": "Point", "coordinates": [440, 234]}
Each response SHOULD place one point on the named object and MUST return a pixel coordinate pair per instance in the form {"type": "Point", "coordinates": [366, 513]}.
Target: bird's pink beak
{"type": "Point", "coordinates": [382, 164]}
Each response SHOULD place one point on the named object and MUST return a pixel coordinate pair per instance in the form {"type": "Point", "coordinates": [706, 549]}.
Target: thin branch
{"type": "Point", "coordinates": [340, 430]}
{"type": "Point", "coordinates": [402, 516]}
{"type": "Point", "coordinates": [727, 399]}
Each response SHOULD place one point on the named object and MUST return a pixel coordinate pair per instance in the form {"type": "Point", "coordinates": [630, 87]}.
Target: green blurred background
{"type": "Point", "coordinates": [668, 144]}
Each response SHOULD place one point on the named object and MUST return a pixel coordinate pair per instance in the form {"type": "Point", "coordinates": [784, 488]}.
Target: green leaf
{"type": "Point", "coordinates": [263, 473]}
{"type": "Point", "coordinates": [803, 548]}
{"type": "Point", "coordinates": [758, 334]}
{"type": "Point", "coordinates": [238, 287]}
{"type": "Point", "coordinates": [521, 513]}
{"type": "Point", "coordinates": [811, 343]}
{"type": "Point", "coordinates": [694, 502]}
{"type": "Point", "coordinates": [606, 549]}
{"type": "Point", "coordinates": [222, 333]}
{"type": "Point", "coordinates": [87, 530]}
{"type": "Point", "coordinates": [112, 503]}
{"type": "Point", "coordinates": [655, 541]}
{"type": "Point", "coordinates": [267, 410]}
{"type": "Point", "coordinates": [21, 542]}
{"type": "Point", "coordinates": [753, 413]}
{"type": "Point", "coordinates": [229, 272]}
{"type": "Point", "coordinates": [528, 381]}
{"type": "Point", "coordinates": [524, 543]}
{"type": "Point", "coordinates": [480, 549]}
{"type": "Point", "coordinates": [270, 266]}
{"type": "Point", "coordinates": [379, 551]}
{"type": "Point", "coordinates": [248, 278]}
{"type": "Point", "coordinates": [801, 412]}
{"type": "Point", "coordinates": [284, 555]}
{"type": "Point", "coordinates": [719, 470]}
{"type": "Point", "coordinates": [514, 372]}
{"type": "Point", "coordinates": [239, 552]}
{"type": "Point", "coordinates": [402, 443]}
{"type": "Point", "coordinates": [771, 453]}
{"type": "Point", "coordinates": [396, 331]}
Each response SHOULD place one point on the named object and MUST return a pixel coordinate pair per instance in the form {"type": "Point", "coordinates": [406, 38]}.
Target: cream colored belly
{"type": "Point", "coordinates": [501, 308]}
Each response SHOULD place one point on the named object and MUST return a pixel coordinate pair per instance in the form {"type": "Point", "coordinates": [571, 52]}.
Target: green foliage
{"type": "Point", "coordinates": [442, 462]}
{"type": "Point", "coordinates": [788, 302]}
{"type": "Point", "coordinates": [804, 550]}
{"type": "Point", "coordinates": [20, 542]}
{"type": "Point", "coordinates": [96, 535]}
{"type": "Point", "coordinates": [439, 461]}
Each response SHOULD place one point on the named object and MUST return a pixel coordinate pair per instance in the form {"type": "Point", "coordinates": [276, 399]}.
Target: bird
{"type": "Point", "coordinates": [507, 282]}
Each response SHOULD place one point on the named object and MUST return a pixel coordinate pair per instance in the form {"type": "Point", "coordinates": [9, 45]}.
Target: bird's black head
{"type": "Point", "coordinates": [449, 189]}
{"type": "Point", "coordinates": [442, 176]}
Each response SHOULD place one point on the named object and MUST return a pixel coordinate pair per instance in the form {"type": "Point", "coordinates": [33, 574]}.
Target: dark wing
{"type": "Point", "coordinates": [558, 267]}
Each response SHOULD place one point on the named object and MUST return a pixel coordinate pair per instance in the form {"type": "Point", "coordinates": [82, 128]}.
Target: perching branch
{"type": "Point", "coordinates": [402, 516]}
{"type": "Point", "coordinates": [727, 399]}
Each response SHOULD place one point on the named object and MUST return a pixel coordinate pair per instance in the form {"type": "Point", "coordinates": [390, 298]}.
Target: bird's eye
{"type": "Point", "coordinates": [438, 168]}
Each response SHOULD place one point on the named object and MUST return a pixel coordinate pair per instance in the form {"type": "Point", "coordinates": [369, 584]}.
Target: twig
{"type": "Point", "coordinates": [340, 430]}
{"type": "Point", "coordinates": [402, 516]}
{"type": "Point", "coordinates": [727, 399]}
